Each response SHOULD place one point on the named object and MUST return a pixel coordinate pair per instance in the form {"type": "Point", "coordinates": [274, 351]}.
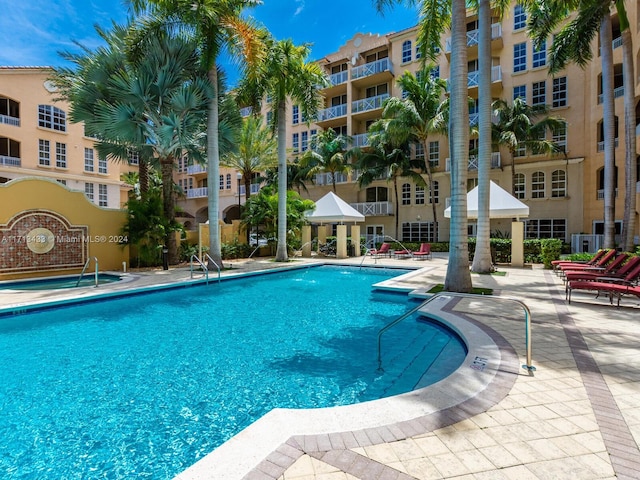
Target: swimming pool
{"type": "Point", "coordinates": [55, 283]}
{"type": "Point", "coordinates": [144, 386]}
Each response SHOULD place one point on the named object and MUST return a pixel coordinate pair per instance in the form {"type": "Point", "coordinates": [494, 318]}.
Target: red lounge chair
{"type": "Point", "coordinates": [556, 264]}
{"type": "Point", "coordinates": [610, 286]}
{"type": "Point", "coordinates": [403, 253]}
{"type": "Point", "coordinates": [424, 252]}
{"type": "Point", "coordinates": [382, 251]}
{"type": "Point", "coordinates": [604, 260]}
{"type": "Point", "coordinates": [614, 269]}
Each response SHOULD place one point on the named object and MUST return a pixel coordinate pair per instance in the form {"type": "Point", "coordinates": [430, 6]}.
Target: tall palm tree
{"type": "Point", "coordinates": [434, 17]}
{"type": "Point", "coordinates": [284, 74]}
{"type": "Point", "coordinates": [387, 158]}
{"type": "Point", "coordinates": [573, 44]}
{"type": "Point", "coordinates": [156, 102]}
{"type": "Point", "coordinates": [516, 128]}
{"type": "Point", "coordinates": [328, 154]}
{"type": "Point", "coordinates": [215, 24]}
{"type": "Point", "coordinates": [256, 152]}
{"type": "Point", "coordinates": [422, 113]}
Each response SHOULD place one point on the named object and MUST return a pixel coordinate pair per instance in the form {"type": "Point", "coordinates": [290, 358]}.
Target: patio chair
{"type": "Point", "coordinates": [609, 285]}
{"type": "Point", "coordinates": [611, 270]}
{"type": "Point", "coordinates": [424, 252]}
{"type": "Point", "coordinates": [602, 262]}
{"type": "Point", "coordinates": [403, 253]}
{"type": "Point", "coordinates": [383, 251]}
{"type": "Point", "coordinates": [592, 261]}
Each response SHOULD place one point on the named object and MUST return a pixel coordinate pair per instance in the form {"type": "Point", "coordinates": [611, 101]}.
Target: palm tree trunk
{"type": "Point", "coordinates": [395, 194]}
{"type": "Point", "coordinates": [247, 188]}
{"type": "Point", "coordinates": [458, 278]}
{"type": "Point", "coordinates": [606, 49]}
{"type": "Point", "coordinates": [432, 200]}
{"type": "Point", "coordinates": [281, 252]}
{"type": "Point", "coordinates": [168, 205]}
{"type": "Point", "coordinates": [630, 172]}
{"type": "Point", "coordinates": [482, 256]}
{"type": "Point", "coordinates": [213, 171]}
{"type": "Point", "coordinates": [143, 175]}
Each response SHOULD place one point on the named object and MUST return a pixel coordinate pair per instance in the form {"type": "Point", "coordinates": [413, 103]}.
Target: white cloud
{"type": "Point", "coordinates": [300, 7]}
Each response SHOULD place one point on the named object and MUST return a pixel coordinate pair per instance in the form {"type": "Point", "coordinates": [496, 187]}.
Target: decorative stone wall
{"type": "Point", "coordinates": [40, 240]}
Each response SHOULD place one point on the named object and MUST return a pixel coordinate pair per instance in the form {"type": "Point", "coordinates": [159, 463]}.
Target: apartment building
{"type": "Point", "coordinates": [564, 191]}
{"type": "Point", "coordinates": [38, 140]}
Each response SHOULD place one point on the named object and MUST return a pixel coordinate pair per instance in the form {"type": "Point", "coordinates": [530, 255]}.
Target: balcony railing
{"type": "Point", "coordinates": [601, 145]}
{"type": "Point", "coordinates": [361, 140]}
{"type": "Point", "coordinates": [194, 169]}
{"type": "Point", "coordinates": [496, 161]}
{"type": "Point", "coordinates": [255, 188]}
{"type": "Point", "coordinates": [9, 161]}
{"type": "Point", "coordinates": [332, 112]}
{"type": "Point", "coordinates": [197, 192]}
{"type": "Point", "coordinates": [245, 112]}
{"type": "Point", "coordinates": [374, 208]}
{"type": "Point", "coordinates": [366, 104]}
{"type": "Point", "coordinates": [379, 66]}
{"type": "Point", "coordinates": [473, 78]}
{"type": "Point", "coordinates": [326, 178]}
{"type": "Point", "coordinates": [6, 119]}
{"type": "Point", "coordinates": [617, 92]}
{"type": "Point", "coordinates": [600, 194]}
{"type": "Point", "coordinates": [473, 37]}
{"type": "Point", "coordinates": [338, 78]}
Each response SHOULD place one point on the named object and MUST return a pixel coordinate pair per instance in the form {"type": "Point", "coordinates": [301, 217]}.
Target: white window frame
{"type": "Point", "coordinates": [228, 181]}
{"type": "Point", "coordinates": [295, 114]}
{"type": "Point", "coordinates": [295, 142]}
{"type": "Point", "coordinates": [537, 184]}
{"type": "Point", "coordinates": [434, 153]}
{"type": "Point", "coordinates": [560, 92]}
{"type": "Point", "coordinates": [517, 89]}
{"type": "Point", "coordinates": [103, 197]}
{"type": "Point", "coordinates": [558, 183]}
{"type": "Point", "coordinates": [407, 51]}
{"type": "Point", "coordinates": [419, 151]}
{"type": "Point", "coordinates": [61, 155]}
{"type": "Point", "coordinates": [406, 194]}
{"type": "Point", "coordinates": [559, 136]}
{"type": "Point", "coordinates": [520, 57]}
{"type": "Point", "coordinates": [221, 183]}
{"type": "Point", "coordinates": [546, 228]}
{"type": "Point", "coordinates": [436, 192]}
{"type": "Point", "coordinates": [539, 93]}
{"type": "Point", "coordinates": [420, 195]}
{"type": "Point", "coordinates": [304, 141]}
{"type": "Point", "coordinates": [520, 186]}
{"type": "Point", "coordinates": [88, 190]}
{"type": "Point", "coordinates": [44, 153]}
{"type": "Point", "coordinates": [539, 56]}
{"type": "Point", "coordinates": [102, 165]}
{"type": "Point", "coordinates": [52, 118]}
{"type": "Point", "coordinates": [89, 159]}
{"type": "Point", "coordinates": [519, 17]}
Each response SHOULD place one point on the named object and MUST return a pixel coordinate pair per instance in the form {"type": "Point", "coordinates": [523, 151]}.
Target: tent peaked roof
{"type": "Point", "coordinates": [501, 204]}
{"type": "Point", "coordinates": [332, 209]}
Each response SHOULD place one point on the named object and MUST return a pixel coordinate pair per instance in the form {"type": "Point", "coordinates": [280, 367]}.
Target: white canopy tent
{"type": "Point", "coordinates": [501, 204]}
{"type": "Point", "coordinates": [332, 209]}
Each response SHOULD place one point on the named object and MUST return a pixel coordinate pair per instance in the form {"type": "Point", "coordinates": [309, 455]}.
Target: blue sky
{"type": "Point", "coordinates": [34, 31]}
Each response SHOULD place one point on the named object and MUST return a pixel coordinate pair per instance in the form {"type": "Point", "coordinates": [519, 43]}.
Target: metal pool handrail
{"type": "Point", "coordinates": [206, 256]}
{"type": "Point", "coordinates": [204, 267]}
{"type": "Point", "coordinates": [527, 318]}
{"type": "Point", "coordinates": [84, 269]}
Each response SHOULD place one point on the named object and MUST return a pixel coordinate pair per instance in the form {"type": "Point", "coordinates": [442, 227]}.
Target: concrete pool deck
{"type": "Point", "coordinates": [575, 416]}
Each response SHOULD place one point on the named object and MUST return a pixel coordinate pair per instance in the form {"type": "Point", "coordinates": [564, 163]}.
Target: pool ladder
{"type": "Point", "coordinates": [527, 317]}
{"type": "Point", "coordinates": [84, 269]}
{"type": "Point", "coordinates": [204, 267]}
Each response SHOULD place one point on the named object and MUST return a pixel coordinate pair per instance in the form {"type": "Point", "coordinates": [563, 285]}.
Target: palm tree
{"type": "Point", "coordinates": [256, 152]}
{"type": "Point", "coordinates": [422, 113]}
{"type": "Point", "coordinates": [388, 159]}
{"type": "Point", "coordinates": [435, 17]}
{"type": "Point", "coordinates": [154, 103]}
{"type": "Point", "coordinates": [215, 24]}
{"type": "Point", "coordinates": [516, 128]}
{"type": "Point", "coordinates": [328, 154]}
{"type": "Point", "coordinates": [284, 75]}
{"type": "Point", "coordinates": [573, 43]}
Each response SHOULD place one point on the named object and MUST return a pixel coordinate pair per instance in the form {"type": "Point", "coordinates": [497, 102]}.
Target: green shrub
{"type": "Point", "coordinates": [551, 248]}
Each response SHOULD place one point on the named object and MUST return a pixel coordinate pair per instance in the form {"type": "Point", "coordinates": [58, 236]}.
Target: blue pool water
{"type": "Point", "coordinates": [144, 386]}
{"type": "Point", "coordinates": [87, 280]}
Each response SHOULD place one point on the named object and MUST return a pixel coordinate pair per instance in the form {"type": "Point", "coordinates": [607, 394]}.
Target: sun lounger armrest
{"type": "Point", "coordinates": [619, 281]}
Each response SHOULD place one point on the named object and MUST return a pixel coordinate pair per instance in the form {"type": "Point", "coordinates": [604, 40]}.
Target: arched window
{"type": "Point", "coordinates": [558, 184]}
{"type": "Point", "coordinates": [519, 186]}
{"type": "Point", "coordinates": [377, 194]}
{"type": "Point", "coordinates": [537, 185]}
{"type": "Point", "coordinates": [52, 117]}
{"type": "Point", "coordinates": [601, 182]}
{"type": "Point", "coordinates": [407, 51]}
{"type": "Point", "coordinates": [221, 182]}
{"type": "Point", "coordinates": [228, 181]}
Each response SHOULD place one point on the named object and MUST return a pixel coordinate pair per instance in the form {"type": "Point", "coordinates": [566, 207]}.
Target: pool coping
{"type": "Point", "coordinates": [271, 444]}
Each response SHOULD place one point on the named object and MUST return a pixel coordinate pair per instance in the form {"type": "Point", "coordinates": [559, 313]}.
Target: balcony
{"type": "Point", "coordinates": [473, 78]}
{"type": "Point", "coordinates": [255, 188]}
{"type": "Point", "coordinates": [245, 112]}
{"type": "Point", "coordinates": [327, 178]}
{"type": "Point", "coordinates": [382, 66]}
{"type": "Point", "coordinates": [374, 209]}
{"type": "Point", "coordinates": [327, 115]}
{"type": "Point", "coordinates": [368, 104]}
{"type": "Point", "coordinates": [617, 92]}
{"type": "Point", "coordinates": [601, 145]}
{"type": "Point", "coordinates": [473, 37]}
{"type": "Point", "coordinates": [360, 140]}
{"type": "Point", "coordinates": [338, 78]}
{"type": "Point", "coordinates": [201, 192]}
{"type": "Point", "coordinates": [7, 120]}
{"type": "Point", "coordinates": [496, 162]}
{"type": "Point", "coordinates": [9, 161]}
{"type": "Point", "coordinates": [196, 169]}
{"type": "Point", "coordinates": [600, 194]}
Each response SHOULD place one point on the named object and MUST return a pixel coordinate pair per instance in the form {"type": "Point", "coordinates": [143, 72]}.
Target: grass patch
{"type": "Point", "coordinates": [476, 291]}
{"type": "Point", "coordinates": [496, 273]}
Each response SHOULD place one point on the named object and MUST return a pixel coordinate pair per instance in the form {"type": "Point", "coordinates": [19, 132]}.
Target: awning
{"type": "Point", "coordinates": [501, 204]}
{"type": "Point", "coordinates": [332, 209]}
